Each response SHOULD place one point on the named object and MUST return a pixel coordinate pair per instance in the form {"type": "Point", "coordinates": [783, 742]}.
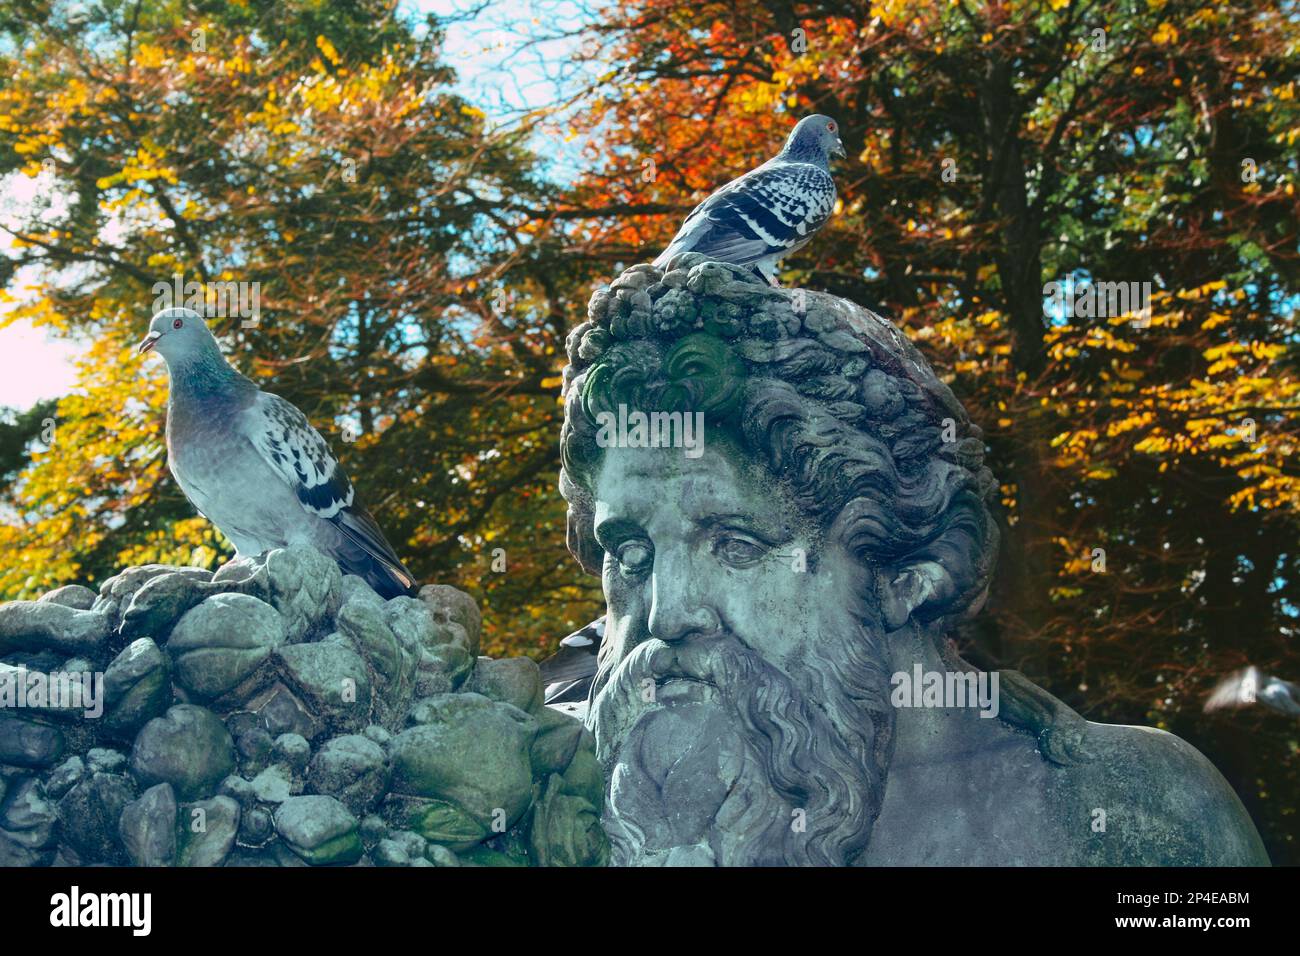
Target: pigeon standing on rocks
{"type": "Point", "coordinates": [768, 213]}
{"type": "Point", "coordinates": [253, 466]}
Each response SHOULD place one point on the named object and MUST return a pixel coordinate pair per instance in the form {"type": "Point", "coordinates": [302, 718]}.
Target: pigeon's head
{"type": "Point", "coordinates": [178, 335]}
{"type": "Point", "coordinates": [816, 135]}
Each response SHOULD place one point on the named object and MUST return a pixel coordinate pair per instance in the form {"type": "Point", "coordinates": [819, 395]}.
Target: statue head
{"type": "Point", "coordinates": [774, 486]}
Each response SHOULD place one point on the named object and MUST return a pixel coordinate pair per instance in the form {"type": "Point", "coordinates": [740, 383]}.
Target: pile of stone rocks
{"type": "Point", "coordinates": [277, 712]}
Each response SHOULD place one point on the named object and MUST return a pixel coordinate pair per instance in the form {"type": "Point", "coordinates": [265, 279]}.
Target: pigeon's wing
{"type": "Point", "coordinates": [1280, 695]}
{"type": "Point", "coordinates": [770, 211]}
{"type": "Point", "coordinates": [1238, 689]}
{"type": "Point", "coordinates": [567, 674]}
{"type": "Point", "coordinates": [297, 452]}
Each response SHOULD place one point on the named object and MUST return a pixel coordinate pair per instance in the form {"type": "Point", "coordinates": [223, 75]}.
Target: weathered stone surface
{"type": "Point", "coordinates": [160, 602]}
{"type": "Point", "coordinates": [351, 768]}
{"type": "Point", "coordinates": [25, 743]}
{"type": "Point", "coordinates": [440, 856]}
{"type": "Point", "coordinates": [437, 820]}
{"type": "Point", "coordinates": [188, 747]}
{"type": "Point", "coordinates": [137, 686]}
{"type": "Point", "coordinates": [293, 751]}
{"type": "Point", "coordinates": [513, 680]}
{"type": "Point", "coordinates": [148, 827]}
{"type": "Point", "coordinates": [331, 679]}
{"type": "Point", "coordinates": [255, 827]}
{"type": "Point", "coordinates": [254, 745]}
{"type": "Point", "coordinates": [63, 777]}
{"type": "Point", "coordinates": [89, 814]}
{"type": "Point", "coordinates": [278, 680]}
{"type": "Point", "coordinates": [222, 643]}
{"type": "Point", "coordinates": [27, 816]}
{"type": "Point", "coordinates": [245, 575]}
{"type": "Point", "coordinates": [305, 587]}
{"type": "Point", "coordinates": [453, 606]}
{"type": "Point", "coordinates": [208, 831]}
{"type": "Point", "coordinates": [116, 593]}
{"type": "Point", "coordinates": [71, 595]}
{"type": "Point", "coordinates": [105, 760]}
{"type": "Point", "coordinates": [390, 853]}
{"type": "Point", "coordinates": [319, 829]}
{"type": "Point", "coordinates": [558, 736]}
{"type": "Point", "coordinates": [238, 789]}
{"type": "Point", "coordinates": [283, 713]}
{"type": "Point", "coordinates": [472, 752]}
{"type": "Point", "coordinates": [566, 829]}
{"type": "Point", "coordinates": [364, 624]}
{"type": "Point", "coordinates": [276, 784]}
{"type": "Point", "coordinates": [45, 625]}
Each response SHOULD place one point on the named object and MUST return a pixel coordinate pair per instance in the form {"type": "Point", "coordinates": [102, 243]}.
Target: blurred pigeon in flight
{"type": "Point", "coordinates": [253, 466]}
{"type": "Point", "coordinates": [1250, 686]}
{"type": "Point", "coordinates": [768, 213]}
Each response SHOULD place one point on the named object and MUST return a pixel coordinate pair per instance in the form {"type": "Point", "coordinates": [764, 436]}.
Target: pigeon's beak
{"type": "Point", "coordinates": [149, 342]}
{"type": "Point", "coordinates": [838, 151]}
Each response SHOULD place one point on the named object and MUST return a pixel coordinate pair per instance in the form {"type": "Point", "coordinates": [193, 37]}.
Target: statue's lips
{"type": "Point", "coordinates": [680, 687]}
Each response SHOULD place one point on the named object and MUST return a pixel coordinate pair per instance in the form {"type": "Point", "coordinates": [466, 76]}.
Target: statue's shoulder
{"type": "Point", "coordinates": [1164, 803]}
{"type": "Point", "coordinates": [1150, 797]}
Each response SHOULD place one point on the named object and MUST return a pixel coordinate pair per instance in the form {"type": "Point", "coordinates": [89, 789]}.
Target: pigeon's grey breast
{"type": "Point", "coordinates": [226, 478]}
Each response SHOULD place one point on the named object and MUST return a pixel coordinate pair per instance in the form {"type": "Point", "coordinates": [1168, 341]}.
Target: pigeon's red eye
{"type": "Point", "coordinates": [831, 127]}
{"type": "Point", "coordinates": [177, 323]}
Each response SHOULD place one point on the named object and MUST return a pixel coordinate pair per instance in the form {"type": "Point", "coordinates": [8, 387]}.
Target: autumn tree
{"type": "Point", "coordinates": [1146, 454]}
{"type": "Point", "coordinates": [411, 301]}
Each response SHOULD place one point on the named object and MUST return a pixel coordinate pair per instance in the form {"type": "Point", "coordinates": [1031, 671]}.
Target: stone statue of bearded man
{"type": "Point", "coordinates": [788, 512]}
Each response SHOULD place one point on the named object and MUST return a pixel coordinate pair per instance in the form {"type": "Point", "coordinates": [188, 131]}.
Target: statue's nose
{"type": "Point", "coordinates": [678, 606]}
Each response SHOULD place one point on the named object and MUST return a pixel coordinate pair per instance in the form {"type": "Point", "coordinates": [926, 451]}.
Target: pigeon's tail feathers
{"type": "Point", "coordinates": [371, 556]}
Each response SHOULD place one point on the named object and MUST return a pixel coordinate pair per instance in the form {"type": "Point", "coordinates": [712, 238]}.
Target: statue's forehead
{"type": "Point", "coordinates": [637, 482]}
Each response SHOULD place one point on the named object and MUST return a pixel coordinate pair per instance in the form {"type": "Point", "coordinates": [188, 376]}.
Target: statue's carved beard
{"type": "Point", "coordinates": [748, 767]}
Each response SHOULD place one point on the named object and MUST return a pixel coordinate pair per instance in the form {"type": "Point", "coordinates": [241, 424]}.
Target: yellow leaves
{"type": "Point", "coordinates": [474, 111]}
{"type": "Point", "coordinates": [1129, 423]}
{"type": "Point", "coordinates": [146, 165]}
{"type": "Point", "coordinates": [1202, 290]}
{"type": "Point", "coordinates": [760, 97]}
{"type": "Point", "coordinates": [149, 56]}
{"type": "Point", "coordinates": [1165, 34]}
{"type": "Point", "coordinates": [327, 48]}
{"type": "Point", "coordinates": [1153, 445]}
{"type": "Point", "coordinates": [554, 381]}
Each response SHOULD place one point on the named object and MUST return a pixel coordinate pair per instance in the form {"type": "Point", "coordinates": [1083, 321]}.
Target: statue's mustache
{"type": "Point", "coordinates": [628, 688]}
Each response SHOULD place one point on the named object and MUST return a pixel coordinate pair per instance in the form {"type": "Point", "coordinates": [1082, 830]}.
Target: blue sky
{"type": "Point", "coordinates": [499, 71]}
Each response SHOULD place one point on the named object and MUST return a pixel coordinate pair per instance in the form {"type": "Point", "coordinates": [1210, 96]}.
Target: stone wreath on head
{"type": "Point", "coordinates": [834, 400]}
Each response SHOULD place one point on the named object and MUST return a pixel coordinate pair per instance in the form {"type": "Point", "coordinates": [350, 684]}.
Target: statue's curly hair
{"type": "Point", "coordinates": [835, 401]}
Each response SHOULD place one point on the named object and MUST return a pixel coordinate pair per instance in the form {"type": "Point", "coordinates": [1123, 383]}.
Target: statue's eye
{"type": "Point", "coordinates": [739, 552]}
{"type": "Point", "coordinates": [177, 323]}
{"type": "Point", "coordinates": [635, 557]}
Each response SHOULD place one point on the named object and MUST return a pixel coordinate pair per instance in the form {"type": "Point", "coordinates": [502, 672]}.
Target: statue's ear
{"type": "Point", "coordinates": [908, 588]}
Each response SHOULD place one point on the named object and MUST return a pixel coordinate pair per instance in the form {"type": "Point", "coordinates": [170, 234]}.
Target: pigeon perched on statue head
{"type": "Point", "coordinates": [768, 213]}
{"type": "Point", "coordinates": [253, 466]}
